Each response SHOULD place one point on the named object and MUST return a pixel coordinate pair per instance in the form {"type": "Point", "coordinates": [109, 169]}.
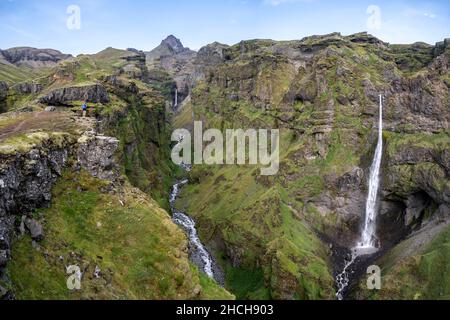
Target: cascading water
{"type": "Point", "coordinates": [199, 254]}
{"type": "Point", "coordinates": [175, 104]}
{"type": "Point", "coordinates": [369, 232]}
{"type": "Point", "coordinates": [367, 244]}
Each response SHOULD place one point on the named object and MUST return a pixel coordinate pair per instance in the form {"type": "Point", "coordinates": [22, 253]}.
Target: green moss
{"type": "Point", "coordinates": [23, 143]}
{"type": "Point", "coordinates": [246, 283]}
{"type": "Point", "coordinates": [424, 276]}
{"type": "Point", "coordinates": [140, 251]}
{"type": "Point", "coordinates": [145, 145]}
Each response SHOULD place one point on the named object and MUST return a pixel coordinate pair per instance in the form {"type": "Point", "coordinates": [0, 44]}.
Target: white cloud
{"type": "Point", "coordinates": [276, 3]}
{"type": "Point", "coordinates": [413, 13]}
{"type": "Point", "coordinates": [429, 15]}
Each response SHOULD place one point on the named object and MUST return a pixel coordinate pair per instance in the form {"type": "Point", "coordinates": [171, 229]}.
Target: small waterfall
{"type": "Point", "coordinates": [368, 239]}
{"type": "Point", "coordinates": [368, 244]}
{"type": "Point", "coordinates": [175, 104]}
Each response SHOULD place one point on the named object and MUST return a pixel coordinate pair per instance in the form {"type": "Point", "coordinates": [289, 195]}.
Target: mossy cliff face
{"type": "Point", "coordinates": [3, 95]}
{"type": "Point", "coordinates": [322, 93]}
{"type": "Point", "coordinates": [70, 188]}
{"type": "Point", "coordinates": [143, 130]}
{"type": "Point", "coordinates": [26, 179]}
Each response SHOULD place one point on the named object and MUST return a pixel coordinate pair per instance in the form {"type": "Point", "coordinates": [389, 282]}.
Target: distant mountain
{"type": "Point", "coordinates": [32, 57]}
{"type": "Point", "coordinates": [175, 59]}
{"type": "Point", "coordinates": [169, 47]}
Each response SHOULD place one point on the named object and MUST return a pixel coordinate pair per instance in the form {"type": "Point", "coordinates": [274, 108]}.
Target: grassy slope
{"type": "Point", "coordinates": [141, 253]}
{"type": "Point", "coordinates": [423, 276]}
{"type": "Point", "coordinates": [12, 74]}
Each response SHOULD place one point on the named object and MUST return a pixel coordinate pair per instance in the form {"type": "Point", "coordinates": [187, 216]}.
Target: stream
{"type": "Point", "coordinates": [198, 254]}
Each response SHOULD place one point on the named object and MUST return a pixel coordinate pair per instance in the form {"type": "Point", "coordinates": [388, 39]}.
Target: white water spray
{"type": "Point", "coordinates": [368, 238]}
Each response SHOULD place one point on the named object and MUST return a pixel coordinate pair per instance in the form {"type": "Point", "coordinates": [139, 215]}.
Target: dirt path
{"type": "Point", "coordinates": [38, 120]}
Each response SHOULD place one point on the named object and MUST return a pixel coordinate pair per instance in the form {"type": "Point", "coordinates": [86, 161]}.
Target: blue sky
{"type": "Point", "coordinates": [143, 24]}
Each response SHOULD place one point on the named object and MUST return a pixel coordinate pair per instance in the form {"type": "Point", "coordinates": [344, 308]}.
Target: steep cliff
{"type": "Point", "coordinates": [322, 92]}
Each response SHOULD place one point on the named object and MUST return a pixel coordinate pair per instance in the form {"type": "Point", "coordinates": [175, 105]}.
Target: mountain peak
{"type": "Point", "coordinates": [173, 43]}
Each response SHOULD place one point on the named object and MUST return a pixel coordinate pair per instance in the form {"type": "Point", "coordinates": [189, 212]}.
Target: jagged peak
{"type": "Point", "coordinates": [174, 43]}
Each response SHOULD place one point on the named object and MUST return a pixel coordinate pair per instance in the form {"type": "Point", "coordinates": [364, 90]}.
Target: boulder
{"type": "Point", "coordinates": [3, 293]}
{"type": "Point", "coordinates": [50, 109]}
{"type": "Point", "coordinates": [35, 228]}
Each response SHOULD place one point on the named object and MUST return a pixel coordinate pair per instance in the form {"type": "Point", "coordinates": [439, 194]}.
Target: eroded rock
{"type": "Point", "coordinates": [95, 93]}
{"type": "Point", "coordinates": [96, 155]}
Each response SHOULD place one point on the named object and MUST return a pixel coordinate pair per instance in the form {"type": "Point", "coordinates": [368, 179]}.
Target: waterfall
{"type": "Point", "coordinates": [369, 232]}
{"type": "Point", "coordinates": [367, 245]}
{"type": "Point", "coordinates": [176, 98]}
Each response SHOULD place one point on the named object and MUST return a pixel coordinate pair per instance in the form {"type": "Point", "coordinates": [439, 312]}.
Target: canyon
{"type": "Point", "coordinates": [102, 192]}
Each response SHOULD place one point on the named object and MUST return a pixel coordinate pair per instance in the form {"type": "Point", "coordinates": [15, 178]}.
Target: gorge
{"type": "Point", "coordinates": [102, 192]}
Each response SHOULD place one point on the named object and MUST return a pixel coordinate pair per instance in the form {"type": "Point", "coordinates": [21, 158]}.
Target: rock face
{"type": "Point", "coordinates": [137, 68]}
{"type": "Point", "coordinates": [95, 93]}
{"type": "Point", "coordinates": [3, 96]}
{"type": "Point", "coordinates": [169, 47]}
{"type": "Point", "coordinates": [95, 154]}
{"type": "Point", "coordinates": [295, 83]}
{"type": "Point", "coordinates": [3, 90]}
{"type": "Point", "coordinates": [211, 54]}
{"type": "Point", "coordinates": [28, 88]}
{"type": "Point", "coordinates": [32, 57]}
{"type": "Point", "coordinates": [25, 184]}
{"type": "Point", "coordinates": [26, 180]}
{"type": "Point", "coordinates": [323, 90]}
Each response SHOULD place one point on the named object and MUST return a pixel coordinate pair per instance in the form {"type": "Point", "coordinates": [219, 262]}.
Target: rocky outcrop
{"type": "Point", "coordinates": [95, 93]}
{"type": "Point", "coordinates": [3, 90]}
{"type": "Point", "coordinates": [171, 46]}
{"type": "Point", "coordinates": [28, 88]}
{"type": "Point", "coordinates": [32, 57]}
{"type": "Point", "coordinates": [3, 96]}
{"type": "Point", "coordinates": [211, 54]}
{"type": "Point", "coordinates": [26, 180]}
{"type": "Point", "coordinates": [136, 67]}
{"type": "Point", "coordinates": [96, 155]}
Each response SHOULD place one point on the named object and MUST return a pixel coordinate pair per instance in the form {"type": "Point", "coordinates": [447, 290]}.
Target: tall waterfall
{"type": "Point", "coordinates": [368, 243]}
{"type": "Point", "coordinates": [368, 238]}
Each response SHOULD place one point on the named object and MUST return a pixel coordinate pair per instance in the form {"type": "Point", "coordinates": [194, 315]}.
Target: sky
{"type": "Point", "coordinates": [89, 26]}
